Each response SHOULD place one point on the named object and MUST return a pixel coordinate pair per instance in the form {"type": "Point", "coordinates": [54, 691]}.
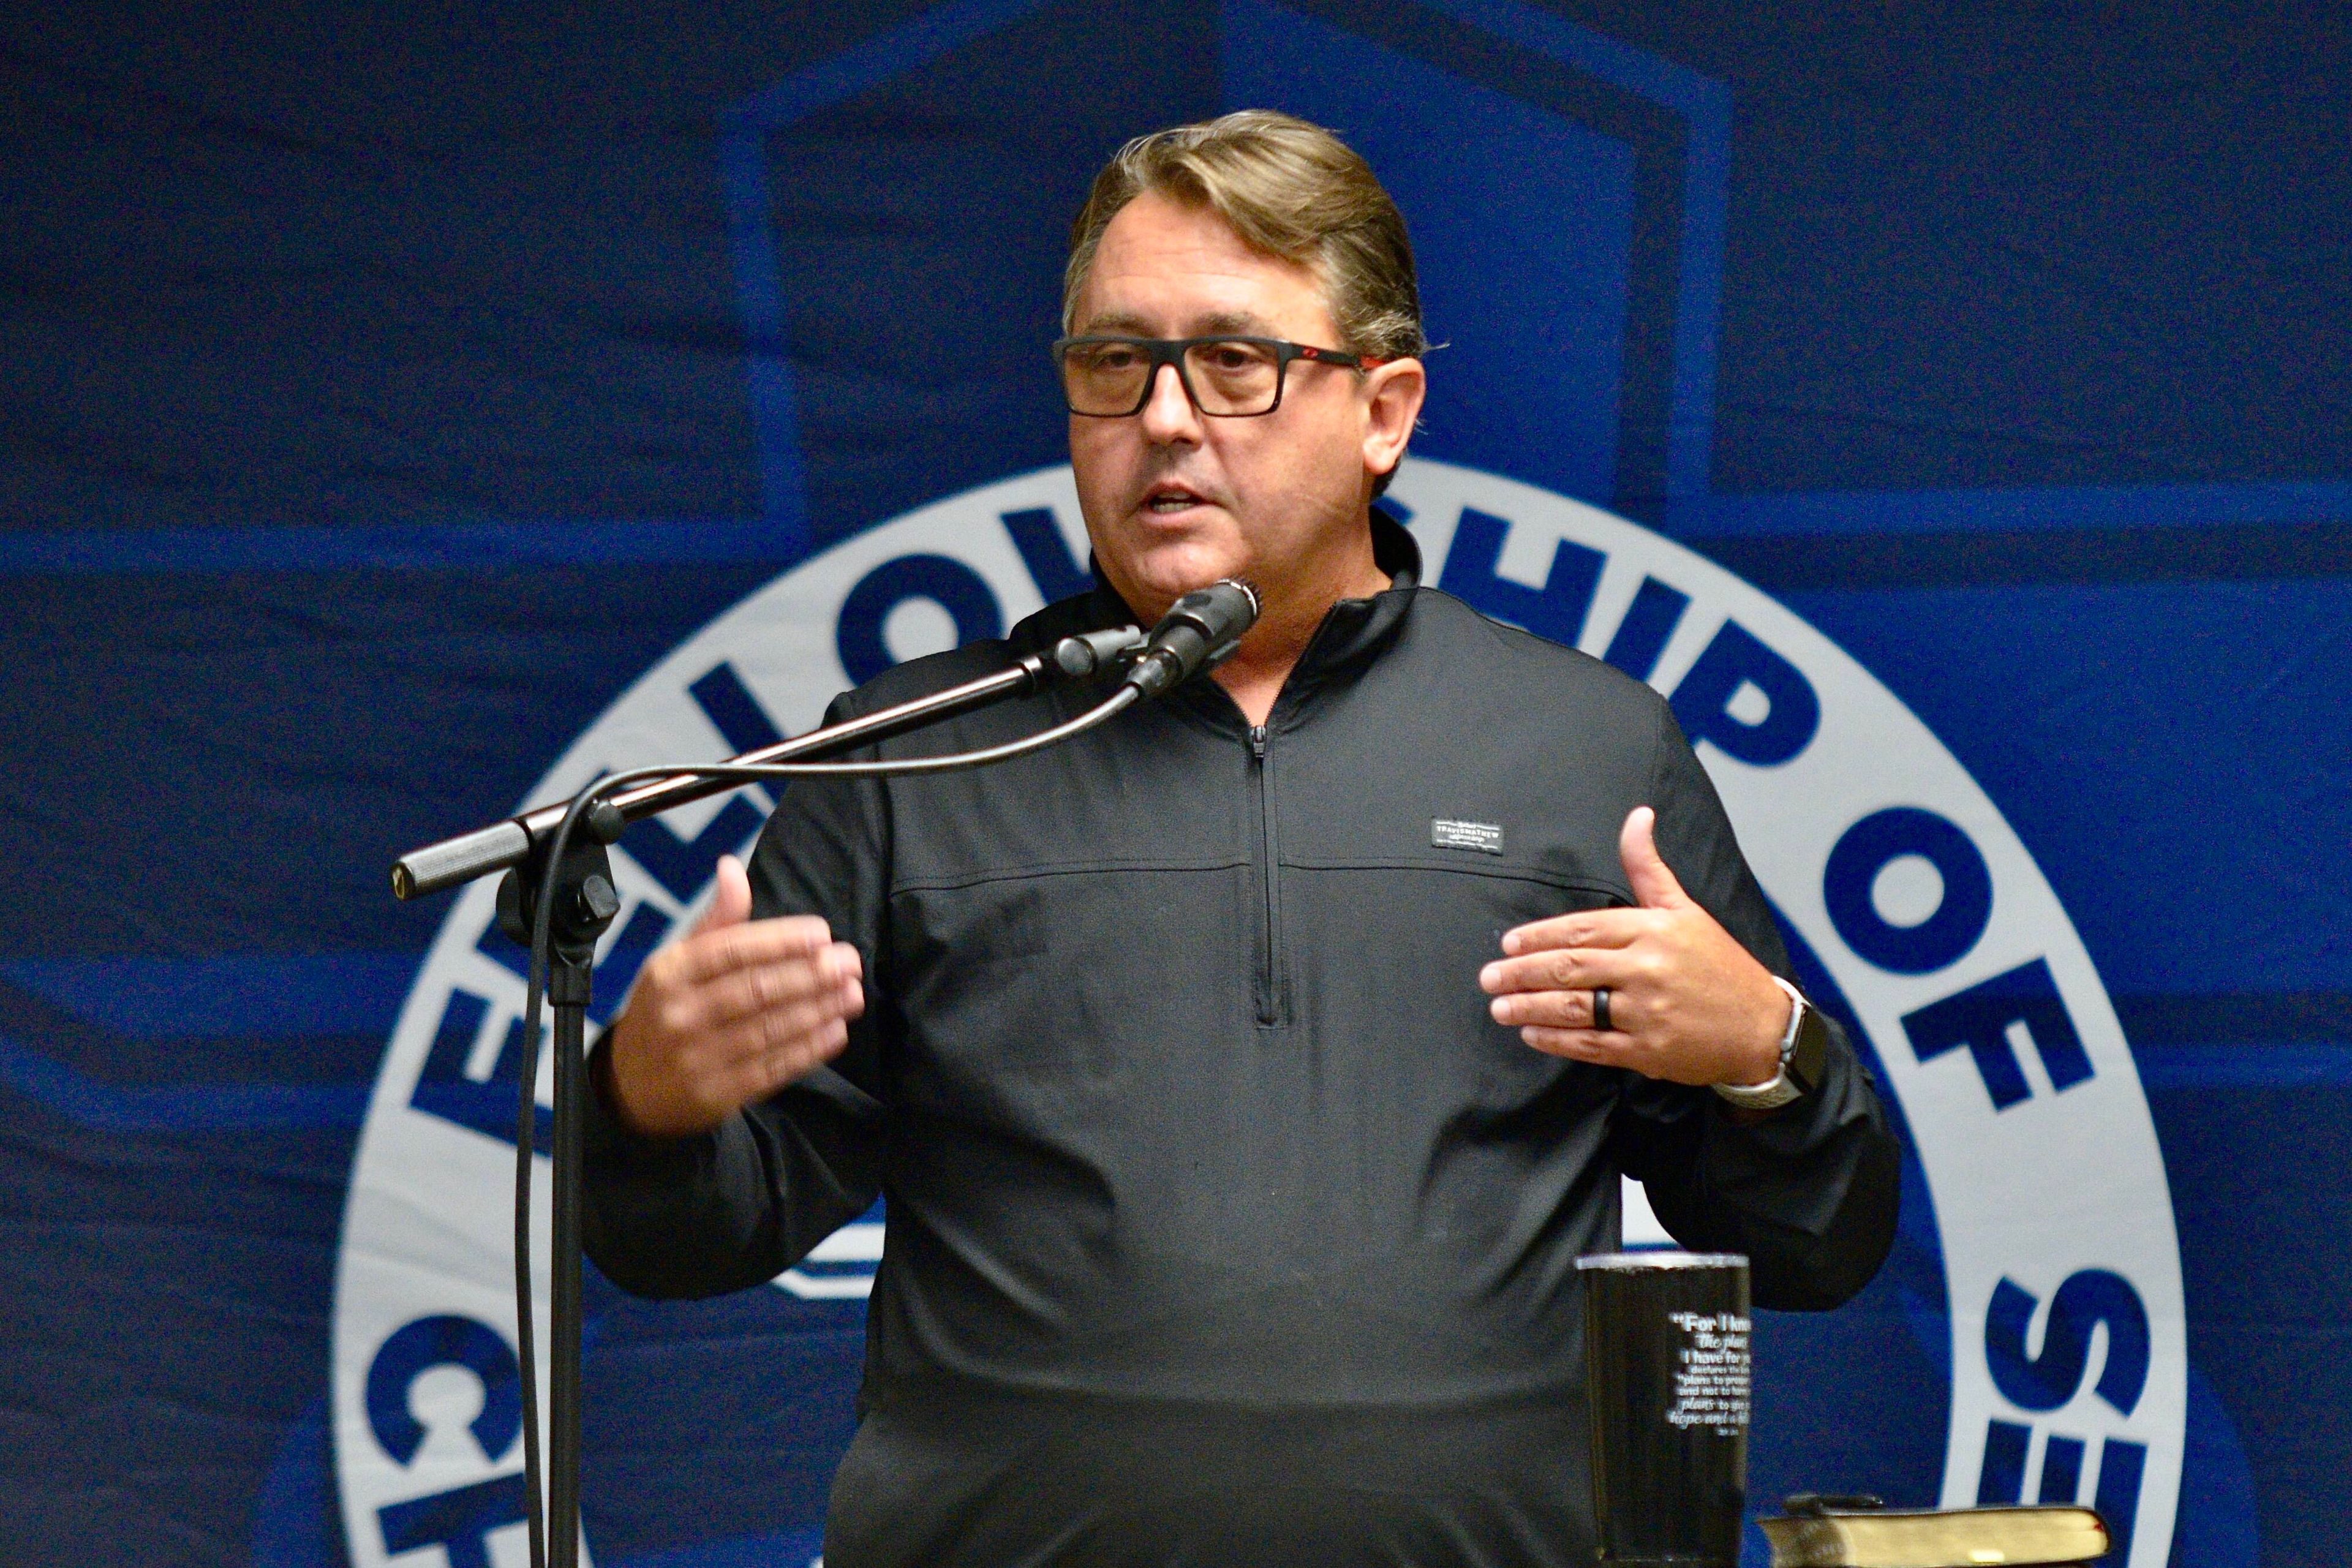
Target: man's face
{"type": "Point", "coordinates": [1174, 499]}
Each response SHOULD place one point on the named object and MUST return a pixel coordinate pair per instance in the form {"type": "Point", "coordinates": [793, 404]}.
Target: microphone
{"type": "Point", "coordinates": [1200, 630]}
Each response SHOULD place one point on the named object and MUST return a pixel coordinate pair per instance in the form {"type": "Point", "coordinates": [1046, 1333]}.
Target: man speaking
{"type": "Point", "coordinates": [1244, 1077]}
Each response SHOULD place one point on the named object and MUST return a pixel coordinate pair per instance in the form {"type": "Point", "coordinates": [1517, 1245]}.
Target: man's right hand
{"type": "Point", "coordinates": [730, 1014]}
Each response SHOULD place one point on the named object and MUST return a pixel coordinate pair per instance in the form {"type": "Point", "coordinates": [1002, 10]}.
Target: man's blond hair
{"type": "Point", "coordinates": [1289, 188]}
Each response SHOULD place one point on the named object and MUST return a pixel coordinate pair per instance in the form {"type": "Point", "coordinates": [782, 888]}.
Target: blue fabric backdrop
{"type": "Point", "coordinates": [386, 388]}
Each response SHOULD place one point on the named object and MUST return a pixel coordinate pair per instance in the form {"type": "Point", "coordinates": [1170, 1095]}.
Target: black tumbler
{"type": "Point", "coordinates": [1665, 1354]}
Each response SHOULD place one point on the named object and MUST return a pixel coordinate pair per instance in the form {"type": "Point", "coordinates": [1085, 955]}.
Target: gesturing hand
{"type": "Point", "coordinates": [1687, 1002]}
{"type": "Point", "coordinates": [730, 1014]}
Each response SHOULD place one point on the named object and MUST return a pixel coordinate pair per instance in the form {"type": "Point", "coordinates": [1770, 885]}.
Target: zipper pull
{"type": "Point", "coordinates": [1257, 742]}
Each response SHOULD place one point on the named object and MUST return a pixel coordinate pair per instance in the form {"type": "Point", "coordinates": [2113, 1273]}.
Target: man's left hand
{"type": "Point", "coordinates": [1687, 1002]}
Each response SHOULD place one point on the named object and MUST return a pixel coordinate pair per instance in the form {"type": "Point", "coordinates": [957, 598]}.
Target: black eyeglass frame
{"type": "Point", "coordinates": [1171, 351]}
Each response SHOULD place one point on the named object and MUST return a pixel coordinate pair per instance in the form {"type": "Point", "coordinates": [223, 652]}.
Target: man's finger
{"type": "Point", "coordinates": [1586, 928]}
{"type": "Point", "coordinates": [756, 1077]}
{"type": "Point", "coordinates": [709, 954]}
{"type": "Point", "coordinates": [778, 1030]}
{"type": "Point", "coordinates": [826, 978]}
{"type": "Point", "coordinates": [1554, 1010]}
{"type": "Point", "coordinates": [1654, 885]}
{"type": "Point", "coordinates": [730, 903]}
{"type": "Point", "coordinates": [760, 1055]}
{"type": "Point", "coordinates": [1563, 969]}
{"type": "Point", "coordinates": [1576, 1045]}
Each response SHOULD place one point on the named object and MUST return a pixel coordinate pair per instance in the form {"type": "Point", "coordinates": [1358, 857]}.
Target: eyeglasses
{"type": "Point", "coordinates": [1226, 378]}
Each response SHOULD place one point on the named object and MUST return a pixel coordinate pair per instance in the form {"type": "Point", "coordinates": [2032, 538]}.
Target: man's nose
{"type": "Point", "coordinates": [1167, 415]}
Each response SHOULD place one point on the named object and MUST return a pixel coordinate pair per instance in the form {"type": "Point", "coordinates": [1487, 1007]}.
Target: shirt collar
{"type": "Point", "coordinates": [1354, 632]}
{"type": "Point", "coordinates": [1352, 629]}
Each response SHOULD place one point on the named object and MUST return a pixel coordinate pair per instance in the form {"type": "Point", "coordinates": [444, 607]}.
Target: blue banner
{"type": "Point", "coordinates": [411, 414]}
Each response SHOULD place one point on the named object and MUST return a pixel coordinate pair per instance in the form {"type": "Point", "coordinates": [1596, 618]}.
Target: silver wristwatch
{"type": "Point", "coordinates": [1803, 1045]}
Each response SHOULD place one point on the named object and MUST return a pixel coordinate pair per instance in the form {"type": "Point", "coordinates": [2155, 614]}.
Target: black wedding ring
{"type": "Point", "coordinates": [1601, 1008]}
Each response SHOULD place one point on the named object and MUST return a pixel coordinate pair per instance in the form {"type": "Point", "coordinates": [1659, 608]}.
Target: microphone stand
{"type": "Point", "coordinates": [557, 899]}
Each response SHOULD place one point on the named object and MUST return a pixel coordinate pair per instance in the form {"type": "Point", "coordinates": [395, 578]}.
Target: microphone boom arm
{"type": "Point", "coordinates": [502, 846]}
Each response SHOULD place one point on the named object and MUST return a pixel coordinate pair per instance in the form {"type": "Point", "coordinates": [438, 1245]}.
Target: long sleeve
{"type": "Point", "coordinates": [1808, 1192]}
{"type": "Point", "coordinates": [738, 1205]}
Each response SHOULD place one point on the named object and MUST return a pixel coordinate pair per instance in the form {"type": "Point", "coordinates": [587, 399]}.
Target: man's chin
{"type": "Point", "coordinates": [1155, 576]}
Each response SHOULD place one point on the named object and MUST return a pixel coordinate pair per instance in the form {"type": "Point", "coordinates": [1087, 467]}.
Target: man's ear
{"type": "Point", "coordinates": [1392, 398]}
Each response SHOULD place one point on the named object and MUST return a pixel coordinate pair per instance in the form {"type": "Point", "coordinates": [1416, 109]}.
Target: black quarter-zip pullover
{"type": "Point", "coordinates": [1224, 1223]}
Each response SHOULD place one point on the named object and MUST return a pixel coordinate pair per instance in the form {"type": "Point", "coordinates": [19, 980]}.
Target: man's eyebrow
{"type": "Point", "coordinates": [1126, 323]}
{"type": "Point", "coordinates": [1115, 323]}
{"type": "Point", "coordinates": [1244, 322]}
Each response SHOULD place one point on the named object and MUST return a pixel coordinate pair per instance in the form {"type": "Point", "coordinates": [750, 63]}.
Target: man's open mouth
{"type": "Point", "coordinates": [1171, 499]}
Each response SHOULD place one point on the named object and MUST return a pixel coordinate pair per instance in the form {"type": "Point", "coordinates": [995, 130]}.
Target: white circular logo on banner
{"type": "Point", "coordinates": [2068, 1354]}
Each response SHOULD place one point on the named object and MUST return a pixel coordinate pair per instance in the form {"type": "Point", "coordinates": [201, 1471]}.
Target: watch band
{"type": "Point", "coordinates": [1802, 1044]}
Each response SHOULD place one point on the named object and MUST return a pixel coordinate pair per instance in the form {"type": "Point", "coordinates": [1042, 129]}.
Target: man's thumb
{"type": "Point", "coordinates": [1654, 886]}
{"type": "Point", "coordinates": [730, 905]}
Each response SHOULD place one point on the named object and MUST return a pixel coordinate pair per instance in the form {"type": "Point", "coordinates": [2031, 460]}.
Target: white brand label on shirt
{"type": "Point", "coordinates": [1447, 834]}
